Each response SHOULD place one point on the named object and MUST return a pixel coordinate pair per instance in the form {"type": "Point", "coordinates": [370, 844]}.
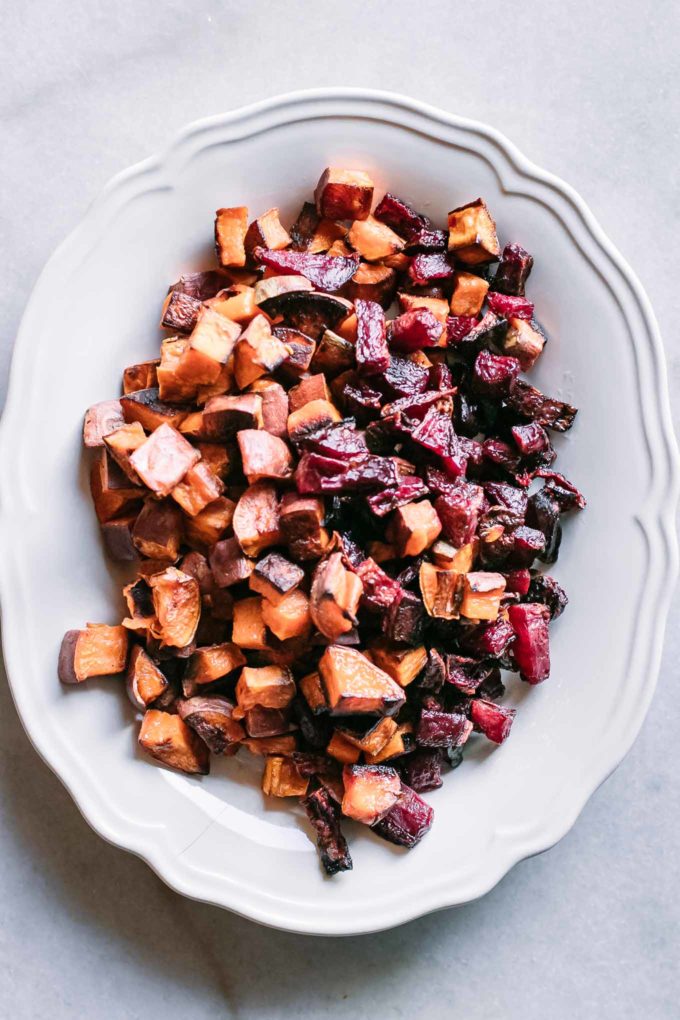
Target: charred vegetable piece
{"type": "Point", "coordinates": [414, 528]}
{"type": "Point", "coordinates": [311, 418]}
{"type": "Point", "coordinates": [142, 376]}
{"type": "Point", "coordinates": [100, 420]}
{"type": "Point", "coordinates": [494, 722]}
{"type": "Point", "coordinates": [327, 272]}
{"type": "Point", "coordinates": [335, 597]}
{"type": "Point", "coordinates": [146, 407]}
{"type": "Point", "coordinates": [268, 686]}
{"type": "Point", "coordinates": [256, 518]}
{"type": "Point", "coordinates": [144, 680]}
{"type": "Point", "coordinates": [482, 593]}
{"type": "Point", "coordinates": [400, 662]}
{"type": "Point", "coordinates": [531, 649]}
{"type": "Point", "coordinates": [325, 818]}
{"type": "Point", "coordinates": [410, 488]}
{"type": "Point", "coordinates": [264, 456]}
{"type": "Point", "coordinates": [343, 194]}
{"type": "Point", "coordinates": [370, 792]}
{"type": "Point", "coordinates": [99, 650]}
{"type": "Point", "coordinates": [168, 739]}
{"type": "Point", "coordinates": [472, 234]}
{"type": "Point", "coordinates": [510, 307]}
{"type": "Point", "coordinates": [373, 283]}
{"type": "Point", "coordinates": [228, 563]}
{"type": "Point", "coordinates": [353, 684]}
{"type": "Point", "coordinates": [257, 352]}
{"type": "Point", "coordinates": [400, 216]}
{"type": "Point", "coordinates": [407, 821]}
{"type": "Point", "coordinates": [117, 536]}
{"type": "Point", "coordinates": [223, 416]}
{"type": "Point", "coordinates": [318, 474]}
{"type": "Point", "coordinates": [282, 779]}
{"type": "Point", "coordinates": [208, 526]}
{"type": "Point", "coordinates": [113, 494]}
{"type": "Point", "coordinates": [530, 403]}
{"type": "Point", "coordinates": [211, 717]}
{"type": "Point", "coordinates": [266, 231]}
{"type": "Point", "coordinates": [157, 532]}
{"type": "Point", "coordinates": [231, 227]}
{"type": "Point", "coordinates": [432, 266]}
{"type": "Point", "coordinates": [492, 374]}
{"type": "Point", "coordinates": [274, 577]}
{"type": "Point", "coordinates": [513, 271]}
{"type": "Point", "coordinates": [372, 352]}
{"type": "Point", "coordinates": [441, 590]}
{"type": "Point", "coordinates": [370, 740]}
{"type": "Point", "coordinates": [442, 729]}
{"type": "Point", "coordinates": [177, 605]}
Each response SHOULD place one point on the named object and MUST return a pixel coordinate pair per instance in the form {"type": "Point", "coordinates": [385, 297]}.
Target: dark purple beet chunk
{"type": "Point", "coordinates": [530, 439]}
{"type": "Point", "coordinates": [459, 510]}
{"type": "Point", "coordinates": [403, 378]}
{"type": "Point", "coordinates": [433, 676]}
{"type": "Point", "coordinates": [435, 433]}
{"type": "Point", "coordinates": [414, 330]}
{"type": "Point", "coordinates": [428, 239]}
{"type": "Point", "coordinates": [407, 822]}
{"type": "Point", "coordinates": [422, 770]}
{"type": "Point", "coordinates": [400, 216]}
{"type": "Point", "coordinates": [467, 416]}
{"type": "Point", "coordinates": [415, 406]}
{"type": "Point", "coordinates": [531, 650]}
{"type": "Point", "coordinates": [440, 376]}
{"type": "Point", "coordinates": [431, 266]}
{"type": "Point", "coordinates": [513, 270]}
{"type": "Point", "coordinates": [562, 490]}
{"type": "Point", "coordinates": [465, 674]}
{"type": "Point", "coordinates": [410, 489]}
{"type": "Point", "coordinates": [380, 590]}
{"type": "Point", "coordinates": [458, 327]}
{"type": "Point", "coordinates": [547, 590]}
{"type": "Point", "coordinates": [529, 402]}
{"type": "Point", "coordinates": [494, 722]}
{"type": "Point", "coordinates": [361, 400]}
{"type": "Point", "coordinates": [372, 352]}
{"type": "Point", "coordinates": [510, 307]}
{"type": "Point", "coordinates": [510, 496]}
{"type": "Point", "coordinates": [341, 440]}
{"type": "Point", "coordinates": [404, 619]}
{"type": "Point", "coordinates": [316, 474]}
{"type": "Point", "coordinates": [326, 272]}
{"type": "Point", "coordinates": [488, 332]}
{"type": "Point", "coordinates": [325, 817]}
{"type": "Point", "coordinates": [500, 454]}
{"type": "Point", "coordinates": [492, 374]}
{"type": "Point", "coordinates": [315, 729]}
{"type": "Point", "coordinates": [442, 729]}
{"type": "Point", "coordinates": [543, 513]}
{"type": "Point", "coordinates": [527, 544]}
{"type": "Point", "coordinates": [490, 639]}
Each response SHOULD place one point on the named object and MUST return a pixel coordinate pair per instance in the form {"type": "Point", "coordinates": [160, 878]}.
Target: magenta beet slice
{"type": "Point", "coordinates": [513, 272]}
{"type": "Point", "coordinates": [327, 272]}
{"type": "Point", "coordinates": [340, 440]}
{"type": "Point", "coordinates": [316, 474]}
{"type": "Point", "coordinates": [562, 490]}
{"type": "Point", "coordinates": [518, 582]}
{"type": "Point", "coordinates": [407, 821]}
{"type": "Point", "coordinates": [414, 330]}
{"type": "Point", "coordinates": [459, 508]}
{"type": "Point", "coordinates": [458, 326]}
{"type": "Point", "coordinates": [492, 639]}
{"type": "Point", "coordinates": [324, 815]}
{"type": "Point", "coordinates": [527, 544]}
{"type": "Point", "coordinates": [404, 618]}
{"type": "Point", "coordinates": [442, 729]}
{"type": "Point", "coordinates": [429, 239]}
{"type": "Point", "coordinates": [380, 590]}
{"type": "Point", "coordinates": [422, 770]}
{"type": "Point", "coordinates": [441, 376]}
{"type": "Point", "coordinates": [465, 673]}
{"type": "Point", "coordinates": [510, 307]}
{"type": "Point", "coordinates": [529, 402]}
{"type": "Point", "coordinates": [410, 489]}
{"type": "Point", "coordinates": [372, 352]}
{"type": "Point", "coordinates": [545, 589]}
{"type": "Point", "coordinates": [403, 377]}
{"type": "Point", "coordinates": [531, 650]}
{"type": "Point", "coordinates": [415, 406]}
{"type": "Point", "coordinates": [435, 433]}
{"type": "Point", "coordinates": [510, 496]}
{"type": "Point", "coordinates": [492, 374]}
{"type": "Point", "coordinates": [400, 216]}
{"type": "Point", "coordinates": [431, 266]}
{"type": "Point", "coordinates": [530, 439]}
{"type": "Point", "coordinates": [494, 722]}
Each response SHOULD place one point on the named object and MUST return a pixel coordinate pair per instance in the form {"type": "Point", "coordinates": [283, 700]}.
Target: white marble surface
{"type": "Point", "coordinates": [590, 929]}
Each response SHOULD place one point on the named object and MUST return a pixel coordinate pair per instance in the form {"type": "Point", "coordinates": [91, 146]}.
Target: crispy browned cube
{"type": "Point", "coordinates": [342, 750]}
{"type": "Point", "coordinates": [274, 577]}
{"type": "Point", "coordinates": [282, 779]}
{"type": "Point", "coordinates": [524, 341]}
{"type": "Point", "coordinates": [447, 557]}
{"type": "Point", "coordinates": [353, 684]}
{"type": "Point", "coordinates": [229, 564]}
{"type": "Point", "coordinates": [289, 617]}
{"type": "Point", "coordinates": [469, 292]}
{"type": "Point", "coordinates": [441, 590]}
{"type": "Point", "coordinates": [274, 406]}
{"type": "Point", "coordinates": [373, 283]}
{"type": "Point", "coordinates": [438, 306]}
{"type": "Point", "coordinates": [208, 526]}
{"type": "Point", "coordinates": [482, 593]}
{"type": "Point", "coordinates": [100, 419]}
{"type": "Point", "coordinates": [266, 232]}
{"type": "Point", "coordinates": [236, 303]}
{"type": "Point", "coordinates": [401, 662]}
{"type": "Point", "coordinates": [317, 414]}
{"type": "Point", "coordinates": [117, 536]}
{"type": "Point", "coordinates": [301, 520]}
{"type": "Point", "coordinates": [142, 376]}
{"type": "Point", "coordinates": [196, 564]}
{"type": "Point", "coordinates": [313, 692]}
{"type": "Point", "coordinates": [335, 597]}
{"type": "Point", "coordinates": [231, 227]}
{"type": "Point", "coordinates": [177, 604]}
{"type": "Point", "coordinates": [173, 385]}
{"type": "Point", "coordinates": [265, 746]}
{"type": "Point", "coordinates": [414, 528]}
{"type": "Point", "coordinates": [224, 416]}
{"type": "Point", "coordinates": [256, 518]}
{"type": "Point", "coordinates": [99, 650]}
{"type": "Point", "coordinates": [211, 717]}
{"type": "Point", "coordinates": [326, 234]}
{"type": "Point", "coordinates": [372, 739]}
{"type": "Point", "coordinates": [179, 312]}
{"type": "Point", "coordinates": [312, 388]}
{"type": "Point", "coordinates": [168, 739]}
{"type": "Point", "coordinates": [146, 407]}
{"type": "Point", "coordinates": [398, 744]}
{"type": "Point", "coordinates": [209, 348]}
{"type": "Point", "coordinates": [248, 628]}
{"type": "Point", "coordinates": [257, 353]}
{"type": "Point", "coordinates": [113, 494]}
{"type": "Point", "coordinates": [343, 194]}
{"type": "Point", "coordinates": [144, 680]}
{"type": "Point", "coordinates": [122, 443]}
{"type": "Point", "coordinates": [163, 459]}
{"type": "Point", "coordinates": [472, 234]}
{"type": "Point", "coordinates": [213, 662]}
{"type": "Point", "coordinates": [158, 531]}
{"type": "Point", "coordinates": [217, 457]}
{"type": "Point", "coordinates": [267, 686]}
{"type": "Point", "coordinates": [264, 456]}
{"type": "Point", "coordinates": [300, 351]}
{"type": "Point", "coordinates": [198, 489]}
{"type": "Point", "coordinates": [374, 240]}
{"type": "Point", "coordinates": [370, 792]}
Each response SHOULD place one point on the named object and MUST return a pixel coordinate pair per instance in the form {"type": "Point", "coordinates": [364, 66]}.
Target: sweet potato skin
{"type": "Point", "coordinates": [99, 650]}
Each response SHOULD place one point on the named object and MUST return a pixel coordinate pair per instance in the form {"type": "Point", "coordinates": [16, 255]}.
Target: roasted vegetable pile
{"type": "Point", "coordinates": [333, 515]}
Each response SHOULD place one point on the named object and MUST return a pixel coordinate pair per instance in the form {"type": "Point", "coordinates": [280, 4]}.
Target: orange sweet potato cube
{"type": "Point", "coordinates": [414, 528]}
{"type": "Point", "coordinates": [167, 738]}
{"type": "Point", "coordinates": [163, 459]}
{"type": "Point", "coordinates": [231, 226]}
{"type": "Point", "coordinates": [472, 234]}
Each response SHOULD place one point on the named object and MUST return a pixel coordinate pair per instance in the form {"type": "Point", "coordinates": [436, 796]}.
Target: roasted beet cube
{"type": "Point", "coordinates": [492, 374]}
{"type": "Point", "coordinates": [459, 508]}
{"type": "Point", "coordinates": [325, 818]}
{"type": "Point", "coordinates": [543, 513]}
{"type": "Point", "coordinates": [404, 619]}
{"type": "Point", "coordinates": [530, 403]}
{"type": "Point", "coordinates": [327, 272]}
{"type": "Point", "coordinates": [422, 770]}
{"type": "Point", "coordinates": [434, 675]}
{"type": "Point", "coordinates": [513, 271]}
{"type": "Point", "coordinates": [531, 649]}
{"type": "Point", "coordinates": [431, 266]}
{"type": "Point", "coordinates": [367, 473]}
{"type": "Point", "coordinates": [498, 453]}
{"type": "Point", "coordinates": [400, 216]}
{"type": "Point", "coordinates": [436, 434]}
{"type": "Point", "coordinates": [442, 729]}
{"type": "Point", "coordinates": [527, 544]}
{"type": "Point", "coordinates": [429, 239]}
{"type": "Point", "coordinates": [380, 590]}
{"type": "Point", "coordinates": [372, 352]}
{"type": "Point", "coordinates": [510, 496]}
{"type": "Point", "coordinates": [494, 722]}
{"type": "Point", "coordinates": [547, 590]}
{"type": "Point", "coordinates": [408, 821]}
{"type": "Point", "coordinates": [458, 327]}
{"type": "Point", "coordinates": [409, 489]}
{"type": "Point", "coordinates": [414, 330]}
{"type": "Point", "coordinates": [530, 439]}
{"type": "Point", "coordinates": [519, 582]}
{"type": "Point", "coordinates": [491, 640]}
{"type": "Point", "coordinates": [403, 377]}
{"type": "Point", "coordinates": [564, 492]}
{"type": "Point", "coordinates": [510, 307]}
{"type": "Point", "coordinates": [486, 333]}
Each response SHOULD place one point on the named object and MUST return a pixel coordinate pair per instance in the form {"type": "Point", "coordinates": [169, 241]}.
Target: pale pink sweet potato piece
{"type": "Point", "coordinates": [164, 459]}
{"type": "Point", "coordinates": [113, 494]}
{"type": "Point", "coordinates": [229, 564]}
{"type": "Point", "coordinates": [208, 526]}
{"type": "Point", "coordinates": [370, 792]}
{"type": "Point", "coordinates": [256, 518]}
{"type": "Point", "coordinates": [311, 388]}
{"type": "Point", "coordinates": [257, 352]}
{"type": "Point", "coordinates": [141, 376]}
{"type": "Point", "coordinates": [199, 487]}
{"type": "Point", "coordinates": [224, 416]}
{"type": "Point", "coordinates": [267, 686]}
{"type": "Point", "coordinates": [266, 232]}
{"type": "Point", "coordinates": [264, 456]}
{"type": "Point", "coordinates": [274, 406]}
{"type": "Point", "coordinates": [100, 419]}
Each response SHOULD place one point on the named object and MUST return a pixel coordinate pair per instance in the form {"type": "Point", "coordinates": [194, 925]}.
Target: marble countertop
{"type": "Point", "coordinates": [589, 929]}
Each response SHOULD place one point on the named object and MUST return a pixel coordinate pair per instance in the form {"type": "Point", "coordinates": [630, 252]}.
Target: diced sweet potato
{"type": "Point", "coordinates": [301, 520]}
{"type": "Point", "coordinates": [282, 779]}
{"type": "Point", "coordinates": [158, 531]}
{"type": "Point", "coordinates": [274, 406]}
{"type": "Point", "coordinates": [196, 564]}
{"type": "Point", "coordinates": [173, 385]}
{"type": "Point", "coordinates": [167, 738]}
{"type": "Point", "coordinates": [372, 739]}
{"type": "Point", "coordinates": [142, 376]}
{"type": "Point", "coordinates": [122, 443]}
{"type": "Point", "coordinates": [438, 306]}
{"type": "Point", "coordinates": [146, 407]}
{"type": "Point", "coordinates": [448, 557]}
{"type": "Point", "coordinates": [370, 792]}
{"type": "Point", "coordinates": [267, 722]}
{"type": "Point", "coordinates": [300, 351]}
{"type": "Point", "coordinates": [209, 348]}
{"type": "Point", "coordinates": [198, 489]}
{"type": "Point", "coordinates": [266, 232]}
{"type": "Point", "coordinates": [315, 415]}
{"type": "Point", "coordinates": [231, 227]}
{"type": "Point", "coordinates": [401, 742]}
{"type": "Point", "coordinates": [267, 686]}
{"type": "Point", "coordinates": [164, 459]}
{"type": "Point", "coordinates": [223, 384]}
{"type": "Point", "coordinates": [441, 590]}
{"type": "Point", "coordinates": [113, 494]}
{"type": "Point", "coordinates": [224, 416]}
{"type": "Point", "coordinates": [312, 691]}
{"type": "Point", "coordinates": [264, 456]}
{"type": "Point", "coordinates": [342, 750]}
{"type": "Point", "coordinates": [117, 536]}
{"type": "Point", "coordinates": [353, 684]}
{"type": "Point", "coordinates": [310, 389]}
{"type": "Point", "coordinates": [472, 234]}
{"type": "Point", "coordinates": [99, 650]}
{"type": "Point", "coordinates": [140, 604]}
{"type": "Point", "coordinates": [228, 563]}
{"type": "Point", "coordinates": [211, 717]}
{"type": "Point", "coordinates": [214, 662]}
{"type": "Point", "coordinates": [144, 680]}
{"type": "Point", "coordinates": [216, 457]}
{"type": "Point", "coordinates": [414, 528]}
{"type": "Point", "coordinates": [401, 662]}
{"type": "Point", "coordinates": [179, 312]}
{"type": "Point", "coordinates": [273, 286]}
{"type": "Point", "coordinates": [482, 593]}
{"type": "Point", "coordinates": [289, 617]}
{"type": "Point", "coordinates": [274, 577]}
{"type": "Point", "coordinates": [256, 518]}
{"type": "Point", "coordinates": [335, 597]}
{"type": "Point", "coordinates": [374, 240]}
{"type": "Point", "coordinates": [236, 303]}
{"type": "Point", "coordinates": [208, 526]}
{"type": "Point", "coordinates": [248, 629]}
{"type": "Point", "coordinates": [373, 283]}
{"type": "Point", "coordinates": [257, 353]}
{"type": "Point", "coordinates": [177, 604]}
{"type": "Point", "coordinates": [468, 294]}
{"type": "Point", "coordinates": [265, 746]}
{"type": "Point", "coordinates": [100, 419]}
{"type": "Point", "coordinates": [343, 194]}
{"type": "Point", "coordinates": [524, 341]}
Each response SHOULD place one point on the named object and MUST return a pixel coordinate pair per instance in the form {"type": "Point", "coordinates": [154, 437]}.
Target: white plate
{"type": "Point", "coordinates": [95, 309]}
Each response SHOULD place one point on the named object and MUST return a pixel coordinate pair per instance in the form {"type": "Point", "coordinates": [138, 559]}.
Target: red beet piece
{"type": "Point", "coordinates": [415, 406]}
{"type": "Point", "coordinates": [466, 674]}
{"type": "Point", "coordinates": [433, 676]}
{"type": "Point", "coordinates": [380, 590]}
{"type": "Point", "coordinates": [513, 271]}
{"type": "Point", "coordinates": [327, 272]}
{"type": "Point", "coordinates": [414, 330]}
{"type": "Point", "coordinates": [325, 817]}
{"type": "Point", "coordinates": [410, 489]}
{"type": "Point", "coordinates": [435, 433]}
{"type": "Point", "coordinates": [562, 490]}
{"type": "Point", "coordinates": [492, 374]}
{"type": "Point", "coordinates": [403, 377]}
{"type": "Point", "coordinates": [457, 327]}
{"type": "Point", "coordinates": [487, 332]}
{"type": "Point", "coordinates": [510, 307]}
{"type": "Point", "coordinates": [498, 452]}
{"type": "Point", "coordinates": [529, 402]}
{"type": "Point", "coordinates": [527, 544]}
{"type": "Point", "coordinates": [530, 439]}
{"type": "Point", "coordinates": [429, 239]}
{"type": "Point", "coordinates": [361, 400]}
{"type": "Point", "coordinates": [372, 351]}
{"type": "Point", "coordinates": [531, 650]}
{"type": "Point", "coordinates": [422, 770]}
{"type": "Point", "coordinates": [518, 582]}
{"type": "Point", "coordinates": [459, 509]}
{"type": "Point", "coordinates": [431, 266]}
{"type": "Point", "coordinates": [316, 474]}
{"type": "Point", "coordinates": [543, 513]}
{"type": "Point", "coordinates": [341, 440]}
{"type": "Point", "coordinates": [400, 216]}
{"type": "Point", "coordinates": [201, 286]}
{"type": "Point", "coordinates": [407, 821]}
{"type": "Point", "coordinates": [441, 377]}
{"type": "Point", "coordinates": [510, 496]}
{"type": "Point", "coordinates": [491, 640]}
{"type": "Point", "coordinates": [494, 722]}
{"type": "Point", "coordinates": [442, 729]}
{"type": "Point", "coordinates": [544, 588]}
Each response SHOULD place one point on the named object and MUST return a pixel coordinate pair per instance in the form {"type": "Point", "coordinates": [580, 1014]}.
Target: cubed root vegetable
{"type": "Point", "coordinates": [289, 617]}
{"type": "Point", "coordinates": [373, 739]}
{"type": "Point", "coordinates": [414, 528]}
{"type": "Point", "coordinates": [264, 456]}
{"type": "Point", "coordinates": [101, 419]}
{"type": "Point", "coordinates": [343, 194]}
{"type": "Point", "coordinates": [214, 662]}
{"type": "Point", "coordinates": [370, 792]}
{"type": "Point", "coordinates": [146, 407]}
{"type": "Point", "coordinates": [482, 593]}
{"type": "Point", "coordinates": [199, 487]}
{"type": "Point", "coordinates": [469, 292]}
{"type": "Point", "coordinates": [265, 746]}
{"type": "Point", "coordinates": [211, 717]}
{"type": "Point", "coordinates": [249, 629]}
{"type": "Point", "coordinates": [99, 650]}
{"type": "Point", "coordinates": [472, 234]}
{"type": "Point", "coordinates": [343, 750]}
{"type": "Point", "coordinates": [353, 684]}
{"type": "Point", "coordinates": [335, 597]}
{"type": "Point", "coordinates": [400, 743]}
{"type": "Point", "coordinates": [223, 416]}
{"type": "Point", "coordinates": [207, 526]}
{"type": "Point", "coordinates": [231, 227]}
{"type": "Point", "coordinates": [407, 821]}
{"type": "Point", "coordinates": [266, 231]}
{"type": "Point", "coordinates": [282, 779]}
{"type": "Point", "coordinates": [311, 417]}
{"type": "Point", "coordinates": [494, 721]}
{"type": "Point", "coordinates": [441, 590]}
{"type": "Point", "coordinates": [177, 604]}
{"type": "Point", "coordinates": [267, 686]}
{"type": "Point", "coordinates": [168, 739]}
{"type": "Point", "coordinates": [144, 680]}
{"type": "Point", "coordinates": [400, 662]}
{"type": "Point", "coordinates": [142, 376]}
{"type": "Point", "coordinates": [374, 240]}
{"type": "Point", "coordinates": [274, 577]}
{"type": "Point", "coordinates": [256, 519]}
{"type": "Point", "coordinates": [312, 691]}
{"type": "Point", "coordinates": [163, 460]}
{"type": "Point", "coordinates": [257, 352]}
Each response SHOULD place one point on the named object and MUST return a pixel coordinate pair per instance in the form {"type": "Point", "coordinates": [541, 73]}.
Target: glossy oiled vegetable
{"type": "Point", "coordinates": [334, 486]}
